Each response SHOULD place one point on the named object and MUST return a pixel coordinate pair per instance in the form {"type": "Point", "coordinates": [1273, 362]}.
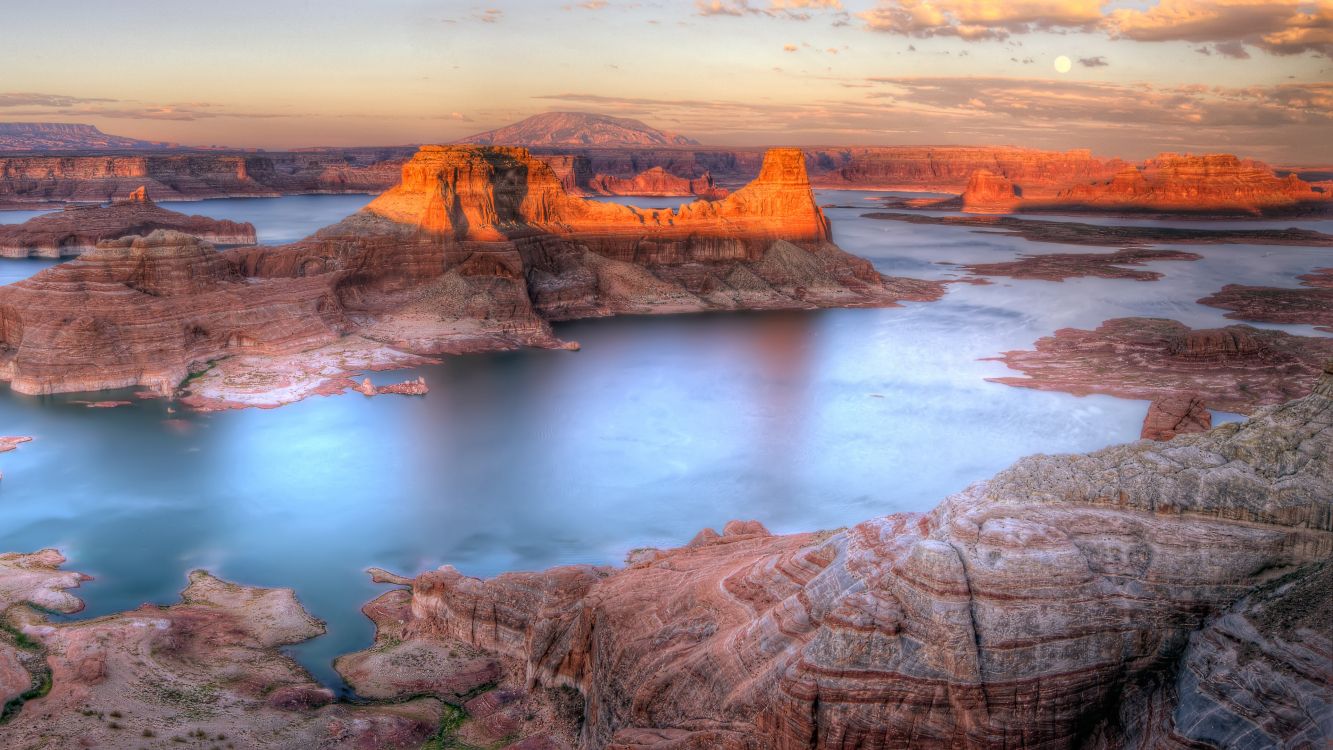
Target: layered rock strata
{"type": "Point", "coordinates": [27, 181]}
{"type": "Point", "coordinates": [78, 229]}
{"type": "Point", "coordinates": [987, 192]}
{"type": "Point", "coordinates": [1146, 595]}
{"type": "Point", "coordinates": [1310, 304]}
{"type": "Point", "coordinates": [206, 671]}
{"type": "Point", "coordinates": [476, 249]}
{"type": "Point", "coordinates": [1237, 368]}
{"type": "Point", "coordinates": [149, 311]}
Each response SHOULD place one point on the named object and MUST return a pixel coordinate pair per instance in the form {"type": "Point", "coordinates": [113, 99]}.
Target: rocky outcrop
{"type": "Point", "coordinates": [577, 129]}
{"type": "Point", "coordinates": [1061, 266]}
{"type": "Point", "coordinates": [208, 670]}
{"type": "Point", "coordinates": [41, 180]}
{"type": "Point", "coordinates": [476, 249]}
{"type": "Point", "coordinates": [1169, 416]}
{"type": "Point", "coordinates": [1309, 304]}
{"type": "Point", "coordinates": [657, 181]}
{"type": "Point", "coordinates": [1237, 368]}
{"type": "Point", "coordinates": [149, 311]}
{"type": "Point", "coordinates": [1146, 595]}
{"type": "Point", "coordinates": [416, 387]}
{"type": "Point", "coordinates": [77, 229]}
{"type": "Point", "coordinates": [9, 443]}
{"type": "Point", "coordinates": [950, 168]}
{"type": "Point", "coordinates": [989, 193]}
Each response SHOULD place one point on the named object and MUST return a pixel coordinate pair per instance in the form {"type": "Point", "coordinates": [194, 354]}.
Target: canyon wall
{"type": "Point", "coordinates": [44, 180]}
{"type": "Point", "coordinates": [1146, 595]}
{"type": "Point", "coordinates": [1169, 183]}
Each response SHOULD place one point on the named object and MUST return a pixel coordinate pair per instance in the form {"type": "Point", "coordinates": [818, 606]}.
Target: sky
{"type": "Point", "coordinates": [1243, 76]}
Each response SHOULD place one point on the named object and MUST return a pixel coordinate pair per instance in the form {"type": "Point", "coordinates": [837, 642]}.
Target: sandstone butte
{"type": "Point", "coordinates": [477, 248]}
{"type": "Point", "coordinates": [1237, 368]}
{"type": "Point", "coordinates": [1170, 183]}
{"type": "Point", "coordinates": [78, 229]}
{"type": "Point", "coordinates": [1173, 415]}
{"type": "Point", "coordinates": [1157, 594]}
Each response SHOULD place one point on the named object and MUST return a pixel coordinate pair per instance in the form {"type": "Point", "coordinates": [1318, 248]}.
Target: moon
{"type": "Point", "coordinates": [1063, 64]}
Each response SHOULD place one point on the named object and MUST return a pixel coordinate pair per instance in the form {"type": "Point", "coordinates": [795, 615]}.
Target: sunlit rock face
{"type": "Point", "coordinates": [1054, 606]}
{"type": "Point", "coordinates": [496, 193]}
{"type": "Point", "coordinates": [1198, 183]}
{"type": "Point", "coordinates": [988, 192]}
{"type": "Point", "coordinates": [78, 229]}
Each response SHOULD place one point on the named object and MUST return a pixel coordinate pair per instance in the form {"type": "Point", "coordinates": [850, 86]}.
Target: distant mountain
{"type": "Point", "coordinates": [579, 129]}
{"type": "Point", "coordinates": [58, 136]}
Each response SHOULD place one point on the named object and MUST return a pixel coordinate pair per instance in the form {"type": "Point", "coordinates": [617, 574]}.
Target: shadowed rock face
{"type": "Point", "coordinates": [1236, 368]}
{"type": "Point", "coordinates": [78, 229]}
{"type": "Point", "coordinates": [1102, 600]}
{"type": "Point", "coordinates": [1311, 303]}
{"type": "Point", "coordinates": [476, 249]}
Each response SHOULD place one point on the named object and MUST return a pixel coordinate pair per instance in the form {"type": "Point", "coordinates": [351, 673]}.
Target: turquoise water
{"type": "Point", "coordinates": [521, 460]}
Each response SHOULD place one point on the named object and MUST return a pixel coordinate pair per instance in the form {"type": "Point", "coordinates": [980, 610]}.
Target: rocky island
{"type": "Point", "coordinates": [1311, 303]}
{"type": "Point", "coordinates": [1237, 368]}
{"type": "Point", "coordinates": [79, 228]}
{"type": "Point", "coordinates": [477, 248]}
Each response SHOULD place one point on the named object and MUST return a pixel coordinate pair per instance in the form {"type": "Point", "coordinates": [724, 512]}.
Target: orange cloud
{"type": "Point", "coordinates": [980, 19]}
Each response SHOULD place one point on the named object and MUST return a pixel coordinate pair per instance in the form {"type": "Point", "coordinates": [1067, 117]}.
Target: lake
{"type": "Point", "coordinates": [658, 427]}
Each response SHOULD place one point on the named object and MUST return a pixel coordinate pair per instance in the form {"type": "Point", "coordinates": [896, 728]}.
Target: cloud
{"type": "Point", "coordinates": [979, 19]}
{"type": "Point", "coordinates": [1281, 27]}
{"type": "Point", "coordinates": [29, 99]}
{"type": "Point", "coordinates": [589, 5]}
{"type": "Point", "coordinates": [1093, 62]}
{"type": "Point", "coordinates": [789, 48]}
{"type": "Point", "coordinates": [800, 10]}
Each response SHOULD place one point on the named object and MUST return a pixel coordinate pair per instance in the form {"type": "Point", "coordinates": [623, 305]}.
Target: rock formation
{"type": "Point", "coordinates": [208, 670]}
{"type": "Point", "coordinates": [77, 229]}
{"type": "Point", "coordinates": [150, 311]}
{"type": "Point", "coordinates": [1237, 368]}
{"type": "Point", "coordinates": [1171, 183]}
{"type": "Point", "coordinates": [989, 193]}
{"type": "Point", "coordinates": [41, 180]}
{"type": "Point", "coordinates": [476, 249]}
{"type": "Point", "coordinates": [416, 387]}
{"type": "Point", "coordinates": [1309, 304]}
{"type": "Point", "coordinates": [1146, 595]}
{"type": "Point", "coordinates": [1169, 416]}
{"type": "Point", "coordinates": [1061, 266]}
{"type": "Point", "coordinates": [578, 129]}
{"type": "Point", "coordinates": [950, 168]}
{"type": "Point", "coordinates": [657, 181]}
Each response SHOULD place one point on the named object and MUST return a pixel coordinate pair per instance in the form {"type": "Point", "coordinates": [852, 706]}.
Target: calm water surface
{"type": "Point", "coordinates": [521, 460]}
